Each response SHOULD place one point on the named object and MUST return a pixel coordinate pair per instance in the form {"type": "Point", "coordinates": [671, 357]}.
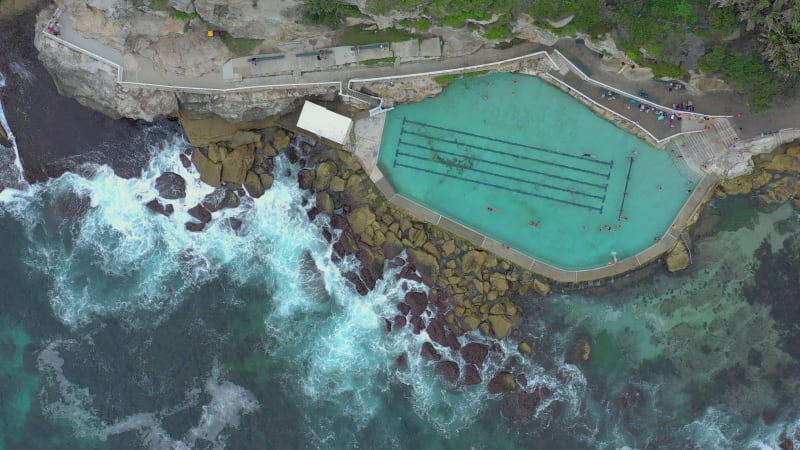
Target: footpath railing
{"type": "Point", "coordinates": [120, 72]}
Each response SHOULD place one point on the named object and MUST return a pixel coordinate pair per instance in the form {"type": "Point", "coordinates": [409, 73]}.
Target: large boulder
{"type": "Point", "coordinates": [448, 370]}
{"type": "Point", "coordinates": [502, 382]}
{"type": "Point", "coordinates": [501, 325]}
{"type": "Point", "coordinates": [784, 163]}
{"type": "Point", "coordinates": [325, 173]}
{"type": "Point", "coordinates": [171, 186]}
{"type": "Point", "coordinates": [236, 165]}
{"type": "Point", "coordinates": [210, 172]}
{"type": "Point", "coordinates": [241, 138]}
{"type": "Point", "coordinates": [203, 129]}
{"type": "Point", "coordinates": [156, 206]}
{"type": "Point", "coordinates": [220, 199]}
{"type": "Point", "coordinates": [473, 261]}
{"type": "Point", "coordinates": [677, 258]}
{"type": "Point", "coordinates": [436, 332]}
{"type": "Point", "coordinates": [195, 227]}
{"type": "Point", "coordinates": [418, 301]}
{"type": "Point", "coordinates": [200, 213]}
{"type": "Point", "coordinates": [429, 352]}
{"type": "Point", "coordinates": [474, 353]}
{"type": "Point", "coordinates": [360, 219]}
{"type": "Point", "coordinates": [472, 375]}
{"type": "Point", "coordinates": [252, 183]}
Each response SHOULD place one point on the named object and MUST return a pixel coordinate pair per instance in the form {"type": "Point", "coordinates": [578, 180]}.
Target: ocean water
{"type": "Point", "coordinates": [120, 329]}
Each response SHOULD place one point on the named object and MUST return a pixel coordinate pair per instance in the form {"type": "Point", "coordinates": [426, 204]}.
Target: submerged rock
{"type": "Point", "coordinates": [472, 375]}
{"type": "Point", "coordinates": [195, 227]}
{"type": "Point", "coordinates": [200, 213]}
{"type": "Point", "coordinates": [429, 352]}
{"type": "Point", "coordinates": [171, 186]}
{"type": "Point", "coordinates": [475, 353]}
{"type": "Point", "coordinates": [502, 382]}
{"type": "Point", "coordinates": [448, 370]}
{"type": "Point", "coordinates": [220, 199]}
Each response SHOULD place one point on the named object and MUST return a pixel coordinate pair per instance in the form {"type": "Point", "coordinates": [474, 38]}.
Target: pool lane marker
{"type": "Point", "coordinates": [607, 175]}
{"type": "Point", "coordinates": [510, 166]}
{"type": "Point", "coordinates": [546, 197]}
{"type": "Point", "coordinates": [625, 191]}
{"type": "Point", "coordinates": [487, 172]}
{"type": "Point", "coordinates": [541, 149]}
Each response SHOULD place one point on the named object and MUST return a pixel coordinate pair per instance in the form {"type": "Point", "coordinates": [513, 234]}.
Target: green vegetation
{"type": "Point", "coordinates": [778, 24]}
{"type": "Point", "coordinates": [357, 35]}
{"type": "Point", "coordinates": [422, 24]}
{"type": "Point", "coordinates": [239, 46]}
{"type": "Point", "coordinates": [498, 30]}
{"type": "Point", "coordinates": [745, 72]}
{"type": "Point", "coordinates": [330, 13]}
{"type": "Point", "coordinates": [447, 79]}
{"type": "Point", "coordinates": [158, 4]}
{"type": "Point", "coordinates": [183, 15]}
{"type": "Point", "coordinates": [373, 62]}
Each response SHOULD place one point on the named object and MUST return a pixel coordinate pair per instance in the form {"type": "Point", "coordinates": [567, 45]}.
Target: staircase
{"type": "Point", "coordinates": [700, 148]}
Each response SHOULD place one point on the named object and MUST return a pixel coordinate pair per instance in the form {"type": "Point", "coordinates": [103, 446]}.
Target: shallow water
{"type": "Point", "coordinates": [520, 161]}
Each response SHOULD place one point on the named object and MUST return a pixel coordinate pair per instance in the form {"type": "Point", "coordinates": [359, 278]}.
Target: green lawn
{"type": "Point", "coordinates": [358, 36]}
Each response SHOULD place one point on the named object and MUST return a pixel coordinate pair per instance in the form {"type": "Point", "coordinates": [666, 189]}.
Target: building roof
{"type": "Point", "coordinates": [324, 123]}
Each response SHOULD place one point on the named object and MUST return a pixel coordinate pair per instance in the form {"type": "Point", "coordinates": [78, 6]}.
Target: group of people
{"type": "Point", "coordinates": [688, 106]}
{"type": "Point", "coordinates": [54, 27]}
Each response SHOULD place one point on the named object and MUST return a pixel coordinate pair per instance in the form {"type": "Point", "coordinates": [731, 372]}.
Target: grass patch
{"type": "Point", "coordinates": [239, 46]}
{"type": "Point", "coordinates": [447, 79]}
{"type": "Point", "coordinates": [423, 24]}
{"type": "Point", "coordinates": [498, 31]}
{"type": "Point", "coordinates": [183, 15]}
{"type": "Point", "coordinates": [358, 36]}
{"type": "Point", "coordinates": [374, 62]}
{"type": "Point", "coordinates": [158, 4]}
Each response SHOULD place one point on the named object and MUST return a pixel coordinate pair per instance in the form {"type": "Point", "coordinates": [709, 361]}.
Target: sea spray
{"type": "Point", "coordinates": [10, 165]}
{"type": "Point", "coordinates": [65, 401]}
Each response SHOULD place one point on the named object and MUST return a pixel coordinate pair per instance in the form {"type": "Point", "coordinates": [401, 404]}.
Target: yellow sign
{"type": "Point", "coordinates": [210, 33]}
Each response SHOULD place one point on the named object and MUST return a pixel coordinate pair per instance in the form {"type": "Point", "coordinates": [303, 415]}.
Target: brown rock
{"type": "Point", "coordinates": [399, 321]}
{"type": "Point", "coordinates": [234, 223]}
{"type": "Point", "coordinates": [784, 164]}
{"type": "Point", "coordinates": [200, 213]}
{"type": "Point", "coordinates": [325, 203]}
{"type": "Point", "coordinates": [448, 370]}
{"type": "Point", "coordinates": [501, 325]}
{"type": "Point", "coordinates": [325, 173]}
{"type": "Point", "coordinates": [677, 258]}
{"type": "Point", "coordinates": [156, 206]}
{"type": "Point", "coordinates": [220, 199]}
{"type": "Point", "coordinates": [418, 302]}
{"type": "Point", "coordinates": [525, 347]}
{"type": "Point", "coordinates": [236, 165]}
{"type": "Point", "coordinates": [195, 227]}
{"type": "Point", "coordinates": [360, 219]}
{"type": "Point", "coordinates": [474, 353]}
{"type": "Point", "coordinates": [185, 161]}
{"type": "Point", "coordinates": [171, 186]}
{"type": "Point", "coordinates": [337, 184]}
{"type": "Point", "coordinates": [402, 361]}
{"type": "Point", "coordinates": [448, 247]}
{"type": "Point", "coordinates": [426, 264]}
{"type": "Point", "coordinates": [404, 308]}
{"type": "Point", "coordinates": [417, 323]}
{"type": "Point", "coordinates": [252, 183]}
{"type": "Point", "coordinates": [472, 262]}
{"type": "Point", "coordinates": [217, 153]}
{"type": "Point", "coordinates": [203, 129]}
{"type": "Point", "coordinates": [280, 139]}
{"type": "Point", "coordinates": [471, 375]}
{"type": "Point", "coordinates": [437, 333]}
{"type": "Point", "coordinates": [502, 382]}
{"type": "Point", "coordinates": [470, 322]}
{"type": "Point", "coordinates": [429, 353]}
{"type": "Point", "coordinates": [241, 138]}
{"type": "Point", "coordinates": [266, 180]}
{"type": "Point", "coordinates": [540, 287]}
{"type": "Point", "coordinates": [210, 172]}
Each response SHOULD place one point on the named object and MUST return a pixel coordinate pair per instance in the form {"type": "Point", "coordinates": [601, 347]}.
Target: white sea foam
{"type": "Point", "coordinates": [64, 401]}
{"type": "Point", "coordinates": [16, 178]}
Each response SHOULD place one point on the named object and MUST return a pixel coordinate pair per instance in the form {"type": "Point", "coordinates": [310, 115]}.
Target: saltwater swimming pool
{"type": "Point", "coordinates": [522, 162]}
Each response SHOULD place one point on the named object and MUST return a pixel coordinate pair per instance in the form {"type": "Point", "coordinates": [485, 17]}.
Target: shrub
{"type": "Point", "coordinates": [330, 13]}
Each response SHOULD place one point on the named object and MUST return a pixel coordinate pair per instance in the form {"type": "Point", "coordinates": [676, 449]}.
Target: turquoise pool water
{"type": "Point", "coordinates": [520, 161]}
